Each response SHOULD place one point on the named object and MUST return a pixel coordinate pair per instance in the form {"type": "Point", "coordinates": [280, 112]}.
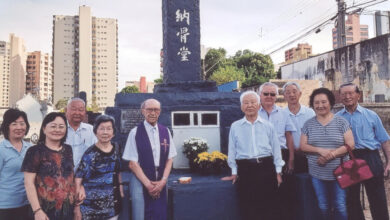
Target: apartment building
{"type": "Point", "coordinates": [85, 57]}
{"type": "Point", "coordinates": [39, 79]}
{"type": "Point", "coordinates": [354, 31]}
{"type": "Point", "coordinates": [12, 70]}
{"type": "Point", "coordinates": [302, 51]}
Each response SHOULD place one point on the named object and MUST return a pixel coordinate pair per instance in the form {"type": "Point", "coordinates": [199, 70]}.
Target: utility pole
{"type": "Point", "coordinates": [341, 41]}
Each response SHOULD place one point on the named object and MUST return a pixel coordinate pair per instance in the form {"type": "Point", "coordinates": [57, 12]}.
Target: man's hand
{"type": "Point", "coordinates": [386, 174]}
{"type": "Point", "coordinates": [290, 167]}
{"type": "Point", "coordinates": [150, 187]}
{"type": "Point", "coordinates": [121, 191]}
{"type": "Point", "coordinates": [159, 185]}
{"type": "Point", "coordinates": [279, 179]}
{"type": "Point", "coordinates": [230, 178]}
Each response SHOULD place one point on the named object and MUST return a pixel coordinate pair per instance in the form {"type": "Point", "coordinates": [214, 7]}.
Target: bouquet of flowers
{"type": "Point", "coordinates": [193, 146]}
{"type": "Point", "coordinates": [212, 163]}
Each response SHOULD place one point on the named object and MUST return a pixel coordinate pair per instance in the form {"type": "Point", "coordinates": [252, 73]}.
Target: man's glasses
{"type": "Point", "coordinates": [150, 110]}
{"type": "Point", "coordinates": [269, 94]}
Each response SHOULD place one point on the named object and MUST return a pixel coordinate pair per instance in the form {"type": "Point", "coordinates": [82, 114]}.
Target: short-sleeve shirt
{"type": "Point", "coordinates": [12, 190]}
{"type": "Point", "coordinates": [367, 128]}
{"type": "Point", "coordinates": [281, 122]}
{"type": "Point", "coordinates": [54, 179]}
{"type": "Point", "coordinates": [99, 171]}
{"type": "Point", "coordinates": [131, 153]}
{"type": "Point", "coordinates": [80, 140]}
{"type": "Point", "coordinates": [299, 120]}
{"type": "Point", "coordinates": [329, 136]}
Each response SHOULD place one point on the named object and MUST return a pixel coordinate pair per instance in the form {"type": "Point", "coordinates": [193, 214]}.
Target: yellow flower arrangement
{"type": "Point", "coordinates": [210, 162]}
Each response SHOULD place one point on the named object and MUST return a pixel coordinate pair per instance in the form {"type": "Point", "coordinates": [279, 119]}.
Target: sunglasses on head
{"type": "Point", "coordinates": [269, 94]}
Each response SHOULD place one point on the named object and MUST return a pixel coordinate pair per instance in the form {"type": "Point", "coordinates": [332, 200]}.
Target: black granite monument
{"type": "Point", "coordinates": [182, 88]}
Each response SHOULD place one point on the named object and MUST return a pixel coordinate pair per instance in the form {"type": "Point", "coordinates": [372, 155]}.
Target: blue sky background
{"type": "Point", "coordinates": [234, 25]}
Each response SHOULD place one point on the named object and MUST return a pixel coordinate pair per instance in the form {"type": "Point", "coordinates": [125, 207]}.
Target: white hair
{"type": "Point", "coordinates": [291, 84]}
{"type": "Point", "coordinates": [269, 84]}
{"type": "Point", "coordinates": [75, 99]}
{"type": "Point", "coordinates": [144, 102]}
{"type": "Point", "coordinates": [248, 93]}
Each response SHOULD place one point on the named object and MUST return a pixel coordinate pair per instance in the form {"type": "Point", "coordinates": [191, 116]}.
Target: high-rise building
{"type": "Point", "coordinates": [39, 79]}
{"type": "Point", "coordinates": [382, 22]}
{"type": "Point", "coordinates": [142, 85]}
{"type": "Point", "coordinates": [85, 57]}
{"type": "Point", "coordinates": [302, 51]}
{"type": "Point", "coordinates": [354, 31]}
{"type": "Point", "coordinates": [12, 71]}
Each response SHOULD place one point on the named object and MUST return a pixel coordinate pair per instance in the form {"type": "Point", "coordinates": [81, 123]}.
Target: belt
{"type": "Point", "coordinates": [258, 160]}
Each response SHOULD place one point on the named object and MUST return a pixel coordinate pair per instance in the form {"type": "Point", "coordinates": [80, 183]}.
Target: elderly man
{"type": "Point", "coordinates": [255, 159]}
{"type": "Point", "coordinates": [80, 135]}
{"type": "Point", "coordinates": [150, 150]}
{"type": "Point", "coordinates": [283, 125]}
{"type": "Point", "coordinates": [370, 136]}
{"type": "Point", "coordinates": [298, 114]}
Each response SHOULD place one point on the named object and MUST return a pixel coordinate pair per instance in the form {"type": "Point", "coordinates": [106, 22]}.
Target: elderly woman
{"type": "Point", "coordinates": [13, 199]}
{"type": "Point", "coordinates": [324, 138]}
{"type": "Point", "coordinates": [99, 173]}
{"type": "Point", "coordinates": [48, 171]}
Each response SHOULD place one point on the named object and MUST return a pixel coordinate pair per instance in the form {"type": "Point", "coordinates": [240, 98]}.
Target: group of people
{"type": "Point", "coordinates": [77, 172]}
{"type": "Point", "coordinates": [75, 169]}
{"type": "Point", "coordinates": [270, 145]}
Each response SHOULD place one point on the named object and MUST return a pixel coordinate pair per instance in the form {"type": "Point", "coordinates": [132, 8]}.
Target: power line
{"type": "Point", "coordinates": [322, 25]}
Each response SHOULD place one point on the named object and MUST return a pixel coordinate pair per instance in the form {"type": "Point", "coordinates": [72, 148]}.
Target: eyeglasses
{"type": "Point", "coordinates": [269, 94]}
{"type": "Point", "coordinates": [150, 110]}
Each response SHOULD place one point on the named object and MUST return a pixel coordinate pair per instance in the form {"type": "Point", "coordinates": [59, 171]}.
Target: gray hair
{"type": "Point", "coordinates": [101, 119]}
{"type": "Point", "coordinates": [269, 84]}
{"type": "Point", "coordinates": [144, 103]}
{"type": "Point", "coordinates": [291, 84]}
{"type": "Point", "coordinates": [248, 93]}
{"type": "Point", "coordinates": [74, 99]}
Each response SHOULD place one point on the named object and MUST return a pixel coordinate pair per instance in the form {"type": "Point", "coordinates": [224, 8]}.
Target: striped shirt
{"type": "Point", "coordinates": [328, 136]}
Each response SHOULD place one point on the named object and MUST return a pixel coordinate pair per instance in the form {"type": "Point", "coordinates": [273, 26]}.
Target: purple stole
{"type": "Point", "coordinates": [155, 209]}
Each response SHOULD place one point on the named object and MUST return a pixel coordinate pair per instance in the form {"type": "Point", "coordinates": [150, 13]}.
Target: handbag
{"type": "Point", "coordinates": [352, 171]}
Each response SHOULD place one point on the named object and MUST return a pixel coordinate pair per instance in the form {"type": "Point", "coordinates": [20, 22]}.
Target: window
{"type": "Point", "coordinates": [195, 119]}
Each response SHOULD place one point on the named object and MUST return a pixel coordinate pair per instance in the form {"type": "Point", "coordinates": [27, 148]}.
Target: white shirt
{"type": "Point", "coordinates": [299, 120]}
{"type": "Point", "coordinates": [248, 141]}
{"type": "Point", "coordinates": [131, 153]}
{"type": "Point", "coordinates": [80, 140]}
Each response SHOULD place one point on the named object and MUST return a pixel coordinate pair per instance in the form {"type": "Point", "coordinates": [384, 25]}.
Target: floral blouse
{"type": "Point", "coordinates": [99, 171]}
{"type": "Point", "coordinates": [54, 179]}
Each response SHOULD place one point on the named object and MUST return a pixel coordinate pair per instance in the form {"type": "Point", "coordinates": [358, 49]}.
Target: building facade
{"type": "Point", "coordinates": [354, 31]}
{"type": "Point", "coordinates": [12, 71]}
{"type": "Point", "coordinates": [382, 22]}
{"type": "Point", "coordinates": [39, 79]}
{"type": "Point", "coordinates": [142, 85]}
{"type": "Point", "coordinates": [366, 64]}
{"type": "Point", "coordinates": [302, 51]}
{"type": "Point", "coordinates": [85, 57]}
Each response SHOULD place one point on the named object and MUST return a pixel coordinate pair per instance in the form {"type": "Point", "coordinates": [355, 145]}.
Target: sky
{"type": "Point", "coordinates": [261, 26]}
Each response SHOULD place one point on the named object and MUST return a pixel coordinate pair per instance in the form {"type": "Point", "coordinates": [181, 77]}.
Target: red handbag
{"type": "Point", "coordinates": [352, 171]}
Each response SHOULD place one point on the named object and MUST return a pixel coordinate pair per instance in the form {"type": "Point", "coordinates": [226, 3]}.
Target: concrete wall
{"type": "Point", "coordinates": [366, 63]}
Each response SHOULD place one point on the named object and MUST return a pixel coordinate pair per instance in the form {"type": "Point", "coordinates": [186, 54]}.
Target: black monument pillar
{"type": "Point", "coordinates": [181, 48]}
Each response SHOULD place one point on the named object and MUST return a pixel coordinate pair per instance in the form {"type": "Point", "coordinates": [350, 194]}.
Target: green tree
{"type": "Point", "coordinates": [213, 60]}
{"type": "Point", "coordinates": [227, 74]}
{"type": "Point", "coordinates": [130, 89]}
{"type": "Point", "coordinates": [61, 104]}
{"type": "Point", "coordinates": [258, 68]}
{"type": "Point", "coordinates": [159, 80]}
